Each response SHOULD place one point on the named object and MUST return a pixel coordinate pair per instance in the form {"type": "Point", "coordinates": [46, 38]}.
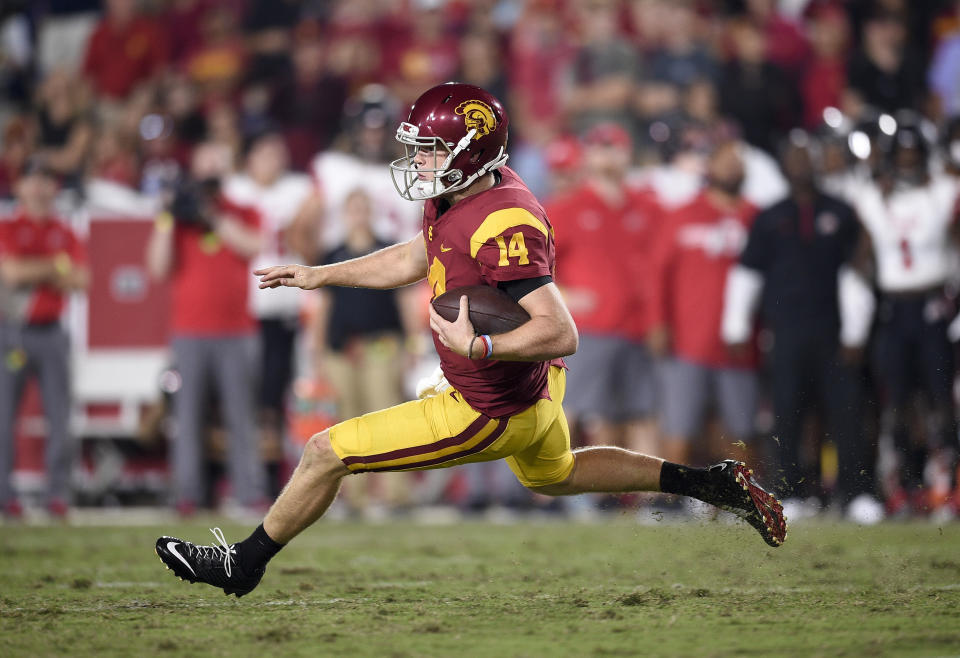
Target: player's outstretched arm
{"type": "Point", "coordinates": [398, 265]}
{"type": "Point", "coordinates": [549, 333]}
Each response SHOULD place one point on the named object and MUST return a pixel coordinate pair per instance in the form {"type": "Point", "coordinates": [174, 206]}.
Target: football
{"type": "Point", "coordinates": [492, 311]}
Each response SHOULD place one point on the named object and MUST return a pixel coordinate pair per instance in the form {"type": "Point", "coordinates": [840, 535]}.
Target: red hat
{"type": "Point", "coordinates": [564, 153]}
{"type": "Point", "coordinates": [608, 134]}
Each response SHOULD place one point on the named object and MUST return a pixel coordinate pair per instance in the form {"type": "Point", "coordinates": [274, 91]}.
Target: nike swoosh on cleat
{"type": "Point", "coordinates": [172, 547]}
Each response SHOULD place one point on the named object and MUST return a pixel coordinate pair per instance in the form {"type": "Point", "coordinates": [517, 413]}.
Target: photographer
{"type": "Point", "coordinates": [204, 245]}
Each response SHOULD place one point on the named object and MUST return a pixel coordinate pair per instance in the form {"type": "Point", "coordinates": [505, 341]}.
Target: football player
{"type": "Point", "coordinates": [908, 211]}
{"type": "Point", "coordinates": [502, 394]}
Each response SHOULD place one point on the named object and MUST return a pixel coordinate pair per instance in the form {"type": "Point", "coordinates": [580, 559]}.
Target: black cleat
{"type": "Point", "coordinates": [736, 491]}
{"type": "Point", "coordinates": [214, 565]}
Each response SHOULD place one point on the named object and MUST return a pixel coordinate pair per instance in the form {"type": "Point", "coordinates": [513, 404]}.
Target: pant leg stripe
{"type": "Point", "coordinates": [481, 446]}
{"type": "Point", "coordinates": [464, 436]}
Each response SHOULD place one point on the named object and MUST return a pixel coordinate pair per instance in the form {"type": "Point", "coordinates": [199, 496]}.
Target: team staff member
{"type": "Point", "coordinates": [359, 343]}
{"type": "Point", "coordinates": [604, 229]}
{"type": "Point", "coordinates": [41, 261]}
{"type": "Point", "coordinates": [481, 226]}
{"type": "Point", "coordinates": [206, 251]}
{"type": "Point", "coordinates": [696, 246]}
{"type": "Point", "coordinates": [794, 261]}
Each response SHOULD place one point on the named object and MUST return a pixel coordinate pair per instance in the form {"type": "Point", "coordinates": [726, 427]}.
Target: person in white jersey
{"type": "Point", "coordinates": [909, 216]}
{"type": "Point", "coordinates": [268, 185]}
{"type": "Point", "coordinates": [359, 162]}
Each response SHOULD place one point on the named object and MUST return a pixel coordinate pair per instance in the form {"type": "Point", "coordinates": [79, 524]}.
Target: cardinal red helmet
{"type": "Point", "coordinates": [465, 126]}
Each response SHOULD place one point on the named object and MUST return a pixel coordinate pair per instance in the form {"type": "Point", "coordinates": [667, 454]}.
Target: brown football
{"type": "Point", "coordinates": [492, 311]}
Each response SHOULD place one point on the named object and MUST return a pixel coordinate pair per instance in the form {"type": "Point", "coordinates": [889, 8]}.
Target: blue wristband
{"type": "Point", "coordinates": [488, 346]}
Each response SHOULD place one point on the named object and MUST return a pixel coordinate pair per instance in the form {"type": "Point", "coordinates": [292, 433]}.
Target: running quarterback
{"type": "Point", "coordinates": [501, 394]}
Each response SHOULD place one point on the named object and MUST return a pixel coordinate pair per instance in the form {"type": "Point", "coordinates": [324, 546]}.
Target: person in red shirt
{"type": "Point", "coordinates": [500, 396]}
{"type": "Point", "coordinates": [697, 244]}
{"type": "Point", "coordinates": [611, 384]}
{"type": "Point", "coordinates": [826, 77]}
{"type": "Point", "coordinates": [41, 261]}
{"type": "Point", "coordinates": [124, 50]}
{"type": "Point", "coordinates": [204, 246]}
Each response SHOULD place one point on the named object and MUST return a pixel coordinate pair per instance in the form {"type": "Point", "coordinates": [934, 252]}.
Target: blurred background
{"type": "Point", "coordinates": [153, 153]}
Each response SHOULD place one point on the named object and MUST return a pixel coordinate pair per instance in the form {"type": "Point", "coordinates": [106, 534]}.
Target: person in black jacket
{"type": "Point", "coordinates": [794, 264]}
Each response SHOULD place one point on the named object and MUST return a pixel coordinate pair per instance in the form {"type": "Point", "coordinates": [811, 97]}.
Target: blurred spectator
{"type": "Point", "coordinates": [360, 336]}
{"type": "Point", "coordinates": [223, 127]}
{"type": "Point", "coordinates": [792, 264]}
{"type": "Point", "coordinates": [540, 50]}
{"type": "Point", "coordinates": [184, 19]}
{"type": "Point", "coordinates": [648, 22]}
{"type": "Point", "coordinates": [161, 159]}
{"type": "Point", "coordinates": [786, 46]}
{"type": "Point", "coordinates": [354, 36]}
{"type": "Point", "coordinates": [218, 62]}
{"type": "Point", "coordinates": [15, 149]}
{"type": "Point", "coordinates": [884, 73]}
{"type": "Point", "coordinates": [360, 161]}
{"type": "Point", "coordinates": [603, 229]}
{"type": "Point", "coordinates": [696, 246]}
{"type": "Point", "coordinates": [756, 92]}
{"type": "Point", "coordinates": [125, 50]}
{"type": "Point", "coordinates": [16, 57]}
{"type": "Point", "coordinates": [826, 77]}
{"type": "Point", "coordinates": [278, 194]}
{"type": "Point", "coordinates": [603, 74]}
{"type": "Point", "coordinates": [204, 245]}
{"type": "Point", "coordinates": [181, 103]}
{"type": "Point", "coordinates": [481, 62]}
{"type": "Point", "coordinates": [114, 158]}
{"type": "Point", "coordinates": [944, 74]}
{"type": "Point", "coordinates": [564, 157]}
{"type": "Point", "coordinates": [309, 105]}
{"type": "Point", "coordinates": [909, 215]}
{"type": "Point", "coordinates": [64, 131]}
{"type": "Point", "coordinates": [269, 25]}
{"type": "Point", "coordinates": [680, 60]}
{"type": "Point", "coordinates": [687, 138]}
{"type": "Point", "coordinates": [63, 32]}
{"type": "Point", "coordinates": [41, 261]}
{"type": "Point", "coordinates": [424, 56]}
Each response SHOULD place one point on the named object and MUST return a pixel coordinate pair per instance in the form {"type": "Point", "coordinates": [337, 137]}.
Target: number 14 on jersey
{"type": "Point", "coordinates": [516, 249]}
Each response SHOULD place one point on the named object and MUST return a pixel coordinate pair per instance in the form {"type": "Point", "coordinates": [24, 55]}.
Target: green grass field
{"type": "Point", "coordinates": [476, 589]}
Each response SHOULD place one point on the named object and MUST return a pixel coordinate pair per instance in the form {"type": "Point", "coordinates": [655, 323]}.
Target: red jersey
{"type": "Point", "coordinates": [211, 282]}
{"type": "Point", "coordinates": [46, 237]}
{"type": "Point", "coordinates": [120, 57]}
{"type": "Point", "coordinates": [697, 245]}
{"type": "Point", "coordinates": [603, 253]}
{"type": "Point", "coordinates": [501, 234]}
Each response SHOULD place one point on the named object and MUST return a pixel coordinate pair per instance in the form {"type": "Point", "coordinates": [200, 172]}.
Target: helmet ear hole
{"type": "Point", "coordinates": [476, 156]}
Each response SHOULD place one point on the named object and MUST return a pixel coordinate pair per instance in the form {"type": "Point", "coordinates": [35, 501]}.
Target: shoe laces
{"type": "Point", "coordinates": [227, 551]}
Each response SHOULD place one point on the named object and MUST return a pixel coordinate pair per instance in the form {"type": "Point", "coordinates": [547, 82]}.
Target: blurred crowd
{"type": "Point", "coordinates": [753, 203]}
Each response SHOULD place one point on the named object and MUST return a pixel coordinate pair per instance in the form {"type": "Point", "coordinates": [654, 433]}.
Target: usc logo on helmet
{"type": "Point", "coordinates": [478, 116]}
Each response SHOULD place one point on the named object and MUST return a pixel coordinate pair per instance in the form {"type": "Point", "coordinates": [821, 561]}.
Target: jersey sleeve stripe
{"type": "Point", "coordinates": [499, 221]}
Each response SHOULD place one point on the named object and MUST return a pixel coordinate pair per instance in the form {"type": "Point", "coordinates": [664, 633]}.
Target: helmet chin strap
{"type": "Point", "coordinates": [496, 163]}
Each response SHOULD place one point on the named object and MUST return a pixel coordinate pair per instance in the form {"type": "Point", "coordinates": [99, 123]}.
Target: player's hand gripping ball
{"type": "Point", "coordinates": [489, 311]}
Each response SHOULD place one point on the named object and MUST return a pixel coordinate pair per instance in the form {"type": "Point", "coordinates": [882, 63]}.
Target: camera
{"type": "Point", "coordinates": [193, 202]}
